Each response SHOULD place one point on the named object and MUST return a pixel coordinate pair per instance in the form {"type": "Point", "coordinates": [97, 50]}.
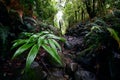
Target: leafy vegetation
{"type": "Point", "coordinates": [45, 39]}
{"type": "Point", "coordinates": [114, 35]}
{"type": "Point", "coordinates": [3, 39]}
{"type": "Point", "coordinates": [36, 27]}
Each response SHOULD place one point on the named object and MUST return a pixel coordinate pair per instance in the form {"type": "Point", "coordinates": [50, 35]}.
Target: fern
{"type": "Point", "coordinates": [114, 35]}
{"type": "Point", "coordinates": [44, 39]}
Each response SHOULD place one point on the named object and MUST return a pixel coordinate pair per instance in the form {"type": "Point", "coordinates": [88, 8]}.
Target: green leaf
{"type": "Point", "coordinates": [52, 44]}
{"type": "Point", "coordinates": [41, 40]}
{"type": "Point", "coordinates": [26, 34]}
{"type": "Point", "coordinates": [22, 49]}
{"type": "Point", "coordinates": [53, 53]}
{"type": "Point", "coordinates": [32, 38]}
{"type": "Point", "coordinates": [53, 48]}
{"type": "Point", "coordinates": [18, 43]}
{"type": "Point", "coordinates": [43, 32]}
{"type": "Point", "coordinates": [114, 35]}
{"type": "Point", "coordinates": [56, 37]}
{"type": "Point", "coordinates": [31, 56]}
{"type": "Point", "coordinates": [62, 39]}
{"type": "Point", "coordinates": [53, 36]}
{"type": "Point", "coordinates": [57, 44]}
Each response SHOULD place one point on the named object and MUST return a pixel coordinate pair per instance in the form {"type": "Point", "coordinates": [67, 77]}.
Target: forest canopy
{"type": "Point", "coordinates": [60, 39]}
{"type": "Point", "coordinates": [72, 11]}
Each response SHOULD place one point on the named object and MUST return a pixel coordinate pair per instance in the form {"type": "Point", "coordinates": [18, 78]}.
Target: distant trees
{"type": "Point", "coordinates": [74, 10]}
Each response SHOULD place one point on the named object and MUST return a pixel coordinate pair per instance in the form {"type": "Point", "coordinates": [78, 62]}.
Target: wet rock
{"type": "Point", "coordinates": [51, 62]}
{"type": "Point", "coordinates": [73, 42]}
{"type": "Point", "coordinates": [84, 75]}
{"type": "Point", "coordinates": [68, 45]}
{"type": "Point", "coordinates": [70, 69]}
{"type": "Point", "coordinates": [34, 65]}
{"type": "Point", "coordinates": [116, 55]}
{"type": "Point", "coordinates": [56, 74]}
{"type": "Point", "coordinates": [87, 62]}
{"type": "Point", "coordinates": [68, 59]}
{"type": "Point", "coordinates": [70, 38]}
{"type": "Point", "coordinates": [72, 66]}
{"type": "Point", "coordinates": [36, 73]}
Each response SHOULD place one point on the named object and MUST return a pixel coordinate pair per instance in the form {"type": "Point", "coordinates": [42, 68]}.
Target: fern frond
{"type": "Point", "coordinates": [114, 35]}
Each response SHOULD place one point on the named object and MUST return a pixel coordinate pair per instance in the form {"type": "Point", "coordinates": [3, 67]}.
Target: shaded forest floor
{"type": "Point", "coordinates": [89, 53]}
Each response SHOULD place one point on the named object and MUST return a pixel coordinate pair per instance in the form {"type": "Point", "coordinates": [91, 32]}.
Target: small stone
{"type": "Point", "coordinates": [70, 38]}
{"type": "Point", "coordinates": [68, 45]}
{"type": "Point", "coordinates": [73, 66]}
{"type": "Point", "coordinates": [56, 74]}
{"type": "Point", "coordinates": [34, 65]}
{"type": "Point", "coordinates": [84, 75]}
